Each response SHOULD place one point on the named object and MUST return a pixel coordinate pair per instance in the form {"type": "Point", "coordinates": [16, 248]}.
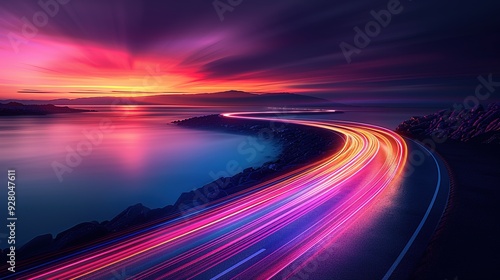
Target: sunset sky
{"type": "Point", "coordinates": [433, 51]}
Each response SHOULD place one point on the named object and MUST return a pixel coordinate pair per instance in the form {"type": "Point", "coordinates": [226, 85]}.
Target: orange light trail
{"type": "Point", "coordinates": [289, 216]}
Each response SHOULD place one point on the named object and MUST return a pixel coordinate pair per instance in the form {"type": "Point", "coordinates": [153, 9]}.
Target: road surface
{"type": "Point", "coordinates": [363, 212]}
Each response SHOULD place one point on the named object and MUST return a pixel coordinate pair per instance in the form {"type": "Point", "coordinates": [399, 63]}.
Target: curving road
{"type": "Point", "coordinates": [356, 213]}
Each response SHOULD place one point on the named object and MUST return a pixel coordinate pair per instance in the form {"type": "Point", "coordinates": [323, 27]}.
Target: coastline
{"type": "Point", "coordinates": [464, 244]}
{"type": "Point", "coordinates": [296, 151]}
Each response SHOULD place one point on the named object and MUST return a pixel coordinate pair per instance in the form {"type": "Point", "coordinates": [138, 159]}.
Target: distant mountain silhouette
{"type": "Point", "coordinates": [233, 97]}
{"type": "Point", "coordinates": [18, 109]}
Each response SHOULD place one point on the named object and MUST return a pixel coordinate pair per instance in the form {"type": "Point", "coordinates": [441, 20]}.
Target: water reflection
{"type": "Point", "coordinates": [142, 159]}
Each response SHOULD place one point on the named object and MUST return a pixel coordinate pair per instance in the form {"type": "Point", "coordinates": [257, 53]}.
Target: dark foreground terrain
{"type": "Point", "coordinates": [466, 245]}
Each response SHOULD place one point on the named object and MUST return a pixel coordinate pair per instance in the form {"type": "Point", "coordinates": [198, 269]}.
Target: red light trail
{"type": "Point", "coordinates": [268, 227]}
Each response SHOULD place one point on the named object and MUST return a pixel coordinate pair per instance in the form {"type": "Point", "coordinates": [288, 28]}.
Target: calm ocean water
{"type": "Point", "coordinates": [141, 158]}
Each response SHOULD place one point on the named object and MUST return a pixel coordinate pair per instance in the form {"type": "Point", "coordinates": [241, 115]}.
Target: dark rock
{"type": "Point", "coordinates": [79, 234]}
{"type": "Point", "coordinates": [129, 217]}
{"type": "Point", "coordinates": [37, 245]}
{"type": "Point", "coordinates": [477, 125]}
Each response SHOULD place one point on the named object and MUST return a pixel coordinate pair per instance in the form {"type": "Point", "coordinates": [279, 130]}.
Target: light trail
{"type": "Point", "coordinates": [299, 214]}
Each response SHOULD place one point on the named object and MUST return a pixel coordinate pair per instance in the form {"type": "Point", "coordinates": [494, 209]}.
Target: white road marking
{"type": "Point", "coordinates": [424, 219]}
{"type": "Point", "coordinates": [238, 264]}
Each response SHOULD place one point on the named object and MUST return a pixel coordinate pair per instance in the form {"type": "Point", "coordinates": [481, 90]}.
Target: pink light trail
{"type": "Point", "coordinates": [299, 213]}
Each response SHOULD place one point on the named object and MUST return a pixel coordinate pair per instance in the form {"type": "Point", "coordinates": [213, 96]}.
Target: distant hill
{"type": "Point", "coordinates": [235, 98]}
{"type": "Point", "coordinates": [18, 109]}
{"type": "Point", "coordinates": [476, 125]}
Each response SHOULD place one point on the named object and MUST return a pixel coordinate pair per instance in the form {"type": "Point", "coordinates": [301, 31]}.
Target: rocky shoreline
{"type": "Point", "coordinates": [299, 145]}
{"type": "Point", "coordinates": [475, 125]}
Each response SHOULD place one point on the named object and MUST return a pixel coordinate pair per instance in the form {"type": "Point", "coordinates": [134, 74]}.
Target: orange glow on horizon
{"type": "Point", "coordinates": [50, 68]}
